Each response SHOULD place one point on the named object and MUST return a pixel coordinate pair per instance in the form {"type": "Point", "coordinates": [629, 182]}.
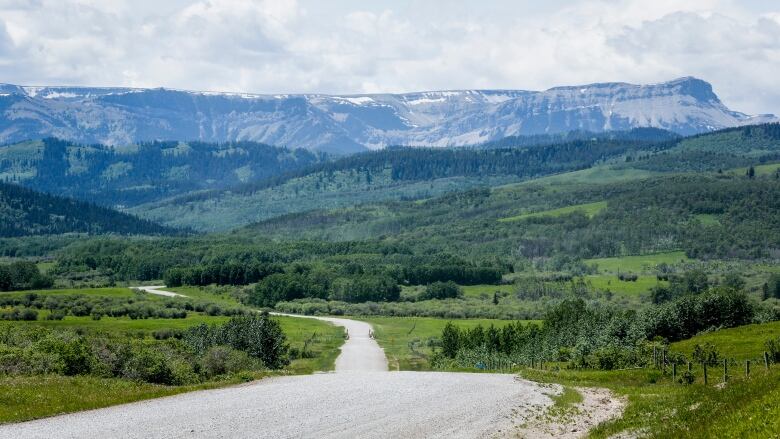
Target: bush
{"type": "Point", "coordinates": [441, 290]}
{"type": "Point", "coordinates": [221, 360]}
{"type": "Point", "coordinates": [773, 349]}
{"type": "Point", "coordinates": [258, 335]}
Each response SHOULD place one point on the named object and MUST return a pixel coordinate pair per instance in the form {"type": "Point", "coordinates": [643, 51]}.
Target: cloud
{"type": "Point", "coordinates": [285, 46]}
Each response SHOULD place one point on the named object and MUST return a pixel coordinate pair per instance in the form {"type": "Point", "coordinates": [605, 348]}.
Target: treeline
{"type": "Point", "coordinates": [341, 271]}
{"type": "Point", "coordinates": [26, 212]}
{"type": "Point", "coordinates": [597, 336]}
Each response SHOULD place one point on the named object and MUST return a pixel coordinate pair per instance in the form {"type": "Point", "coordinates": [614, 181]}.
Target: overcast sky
{"type": "Point", "coordinates": [352, 46]}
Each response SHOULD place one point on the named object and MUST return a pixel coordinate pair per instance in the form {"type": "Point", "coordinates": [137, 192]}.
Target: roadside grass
{"type": "Point", "coordinates": [742, 342]}
{"type": "Point", "coordinates": [637, 264]}
{"type": "Point", "coordinates": [25, 398]}
{"type": "Point", "coordinates": [31, 397]}
{"type": "Point", "coordinates": [407, 341]}
{"type": "Point", "coordinates": [589, 209]}
{"type": "Point", "coordinates": [659, 408]}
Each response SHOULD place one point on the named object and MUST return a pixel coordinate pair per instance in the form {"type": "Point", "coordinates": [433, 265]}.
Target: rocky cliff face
{"type": "Point", "coordinates": [345, 124]}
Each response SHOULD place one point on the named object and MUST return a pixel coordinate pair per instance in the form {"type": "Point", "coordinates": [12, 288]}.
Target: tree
{"type": "Point", "coordinates": [450, 340]}
{"type": "Point", "coordinates": [773, 285]}
{"type": "Point", "coordinates": [733, 280]}
{"type": "Point", "coordinates": [495, 298]}
{"type": "Point", "coordinates": [751, 172]}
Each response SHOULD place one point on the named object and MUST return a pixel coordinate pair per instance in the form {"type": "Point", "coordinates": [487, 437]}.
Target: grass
{"type": "Point", "coordinates": [324, 339]}
{"type": "Point", "coordinates": [767, 169]}
{"type": "Point", "coordinates": [637, 264]}
{"type": "Point", "coordinates": [219, 295]}
{"type": "Point", "coordinates": [707, 219]}
{"type": "Point", "coordinates": [406, 339]}
{"type": "Point", "coordinates": [659, 408]}
{"type": "Point", "coordinates": [741, 343]}
{"type": "Point", "coordinates": [109, 292]}
{"type": "Point", "coordinates": [485, 291]}
{"type": "Point", "coordinates": [589, 209]}
{"type": "Point", "coordinates": [26, 398]}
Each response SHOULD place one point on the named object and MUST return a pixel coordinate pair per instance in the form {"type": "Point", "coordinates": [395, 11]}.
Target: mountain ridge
{"type": "Point", "coordinates": [353, 122]}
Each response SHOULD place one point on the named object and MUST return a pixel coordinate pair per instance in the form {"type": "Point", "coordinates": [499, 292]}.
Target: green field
{"type": "Point", "coordinates": [588, 209]}
{"type": "Point", "coordinates": [108, 292]}
{"type": "Point", "coordinates": [744, 342]}
{"type": "Point", "coordinates": [211, 293]}
{"type": "Point", "coordinates": [637, 264]}
{"type": "Point", "coordinates": [406, 339]}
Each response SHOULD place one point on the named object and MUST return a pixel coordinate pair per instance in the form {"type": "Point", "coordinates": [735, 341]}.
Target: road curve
{"type": "Point", "coordinates": [359, 353]}
{"type": "Point", "coordinates": [360, 400]}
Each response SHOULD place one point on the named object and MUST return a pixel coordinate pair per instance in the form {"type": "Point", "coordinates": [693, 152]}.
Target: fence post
{"type": "Point", "coordinates": [689, 366]}
{"type": "Point", "coordinates": [663, 360]}
{"type": "Point", "coordinates": [747, 368]}
{"type": "Point", "coordinates": [655, 356]}
{"type": "Point", "coordinates": [674, 372]}
{"type": "Point", "coordinates": [725, 370]}
{"type": "Point", "coordinates": [705, 373]}
{"type": "Point", "coordinates": [766, 360]}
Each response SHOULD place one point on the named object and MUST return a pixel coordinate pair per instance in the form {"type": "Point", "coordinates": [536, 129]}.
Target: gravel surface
{"type": "Point", "coordinates": [157, 290]}
{"type": "Point", "coordinates": [333, 405]}
{"type": "Point", "coordinates": [360, 400]}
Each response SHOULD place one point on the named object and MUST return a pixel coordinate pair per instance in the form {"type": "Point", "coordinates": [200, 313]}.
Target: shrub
{"type": "Point", "coordinates": [706, 354]}
{"type": "Point", "coordinates": [258, 335]}
{"type": "Point", "coordinates": [442, 290]}
{"type": "Point", "coordinates": [773, 349]}
{"type": "Point", "coordinates": [220, 360]}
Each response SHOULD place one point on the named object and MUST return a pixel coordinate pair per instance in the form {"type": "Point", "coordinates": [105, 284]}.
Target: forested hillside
{"type": "Point", "coordinates": [133, 174]}
{"type": "Point", "coordinates": [25, 212]}
{"type": "Point", "coordinates": [396, 173]}
{"type": "Point", "coordinates": [402, 173]}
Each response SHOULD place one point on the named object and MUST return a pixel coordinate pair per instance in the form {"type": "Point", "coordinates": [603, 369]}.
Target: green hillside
{"type": "Point", "coordinates": [132, 174]}
{"type": "Point", "coordinates": [25, 212]}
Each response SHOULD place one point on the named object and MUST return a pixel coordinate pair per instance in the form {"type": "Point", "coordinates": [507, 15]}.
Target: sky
{"type": "Point", "coordinates": [363, 46]}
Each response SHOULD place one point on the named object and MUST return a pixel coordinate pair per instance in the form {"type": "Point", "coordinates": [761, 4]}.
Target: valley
{"type": "Point", "coordinates": [533, 280]}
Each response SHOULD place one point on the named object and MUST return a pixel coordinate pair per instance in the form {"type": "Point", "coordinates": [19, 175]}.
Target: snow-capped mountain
{"type": "Point", "coordinates": [344, 124]}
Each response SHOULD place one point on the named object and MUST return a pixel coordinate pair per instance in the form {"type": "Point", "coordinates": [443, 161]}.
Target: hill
{"type": "Point", "coordinates": [347, 124]}
{"type": "Point", "coordinates": [137, 173]}
{"type": "Point", "coordinates": [25, 212]}
{"type": "Point", "coordinates": [398, 174]}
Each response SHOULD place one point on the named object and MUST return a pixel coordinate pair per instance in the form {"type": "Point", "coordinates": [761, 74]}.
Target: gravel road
{"type": "Point", "coordinates": [332, 405]}
{"type": "Point", "coordinates": [361, 400]}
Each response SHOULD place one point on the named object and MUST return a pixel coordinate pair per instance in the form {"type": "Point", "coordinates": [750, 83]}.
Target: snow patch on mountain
{"type": "Point", "coordinates": [349, 123]}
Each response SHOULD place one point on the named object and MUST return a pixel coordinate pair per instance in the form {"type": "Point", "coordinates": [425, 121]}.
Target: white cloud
{"type": "Point", "coordinates": [277, 46]}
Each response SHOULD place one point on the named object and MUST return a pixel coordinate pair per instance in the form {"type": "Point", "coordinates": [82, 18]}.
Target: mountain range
{"type": "Point", "coordinates": [352, 123]}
